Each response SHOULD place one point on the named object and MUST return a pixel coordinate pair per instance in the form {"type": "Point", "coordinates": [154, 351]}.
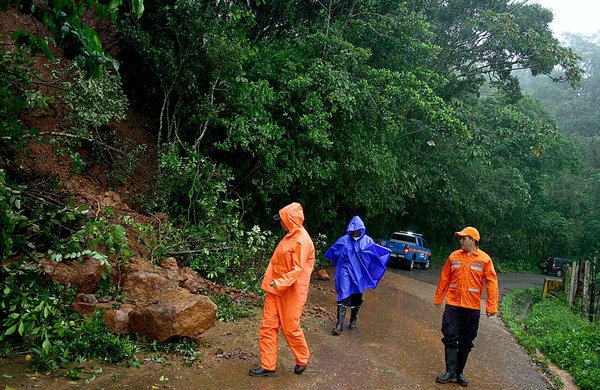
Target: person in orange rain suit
{"type": "Point", "coordinates": [286, 283]}
{"type": "Point", "coordinates": [461, 282]}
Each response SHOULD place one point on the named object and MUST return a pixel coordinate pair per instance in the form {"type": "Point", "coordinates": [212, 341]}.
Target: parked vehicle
{"type": "Point", "coordinates": [408, 249]}
{"type": "Point", "coordinates": [554, 265]}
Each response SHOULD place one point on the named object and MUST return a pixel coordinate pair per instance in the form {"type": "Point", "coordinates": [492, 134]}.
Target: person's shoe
{"type": "Point", "coordinates": [260, 371]}
{"type": "Point", "coordinates": [299, 369]}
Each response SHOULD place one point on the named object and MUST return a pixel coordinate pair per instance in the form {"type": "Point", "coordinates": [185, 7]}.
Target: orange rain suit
{"type": "Point", "coordinates": [462, 280]}
{"type": "Point", "coordinates": [290, 268]}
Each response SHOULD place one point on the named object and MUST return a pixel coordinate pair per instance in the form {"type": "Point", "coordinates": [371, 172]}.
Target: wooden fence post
{"type": "Point", "coordinates": [595, 315]}
{"type": "Point", "coordinates": [567, 278]}
{"type": "Point", "coordinates": [572, 283]}
{"type": "Point", "coordinates": [585, 292]}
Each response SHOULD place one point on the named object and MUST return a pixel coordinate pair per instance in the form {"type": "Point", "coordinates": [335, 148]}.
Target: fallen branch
{"type": "Point", "coordinates": [191, 252]}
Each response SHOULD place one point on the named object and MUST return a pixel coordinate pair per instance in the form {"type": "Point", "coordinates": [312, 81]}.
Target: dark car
{"type": "Point", "coordinates": [554, 265]}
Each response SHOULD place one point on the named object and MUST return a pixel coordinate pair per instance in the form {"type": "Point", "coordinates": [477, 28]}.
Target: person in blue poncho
{"type": "Point", "coordinates": [359, 265]}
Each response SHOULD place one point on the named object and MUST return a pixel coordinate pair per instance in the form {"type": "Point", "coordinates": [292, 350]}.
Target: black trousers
{"type": "Point", "coordinates": [354, 300]}
{"type": "Point", "coordinates": [459, 327]}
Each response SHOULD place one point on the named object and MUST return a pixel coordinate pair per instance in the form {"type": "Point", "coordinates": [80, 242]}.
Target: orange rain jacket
{"type": "Point", "coordinates": [462, 280]}
{"type": "Point", "coordinates": [290, 267]}
{"type": "Point", "coordinates": [293, 260]}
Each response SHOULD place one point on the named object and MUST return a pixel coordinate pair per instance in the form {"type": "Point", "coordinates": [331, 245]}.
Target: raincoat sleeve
{"type": "Point", "coordinates": [297, 259]}
{"type": "Point", "coordinates": [491, 286]}
{"type": "Point", "coordinates": [333, 252]}
{"type": "Point", "coordinates": [443, 283]}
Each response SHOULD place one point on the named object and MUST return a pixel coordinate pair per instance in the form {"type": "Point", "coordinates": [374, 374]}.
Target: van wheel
{"type": "Point", "coordinates": [411, 265]}
{"type": "Point", "coordinates": [559, 273]}
{"type": "Point", "coordinates": [425, 265]}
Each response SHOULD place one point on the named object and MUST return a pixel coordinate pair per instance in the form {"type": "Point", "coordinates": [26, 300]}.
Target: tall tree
{"type": "Point", "coordinates": [488, 39]}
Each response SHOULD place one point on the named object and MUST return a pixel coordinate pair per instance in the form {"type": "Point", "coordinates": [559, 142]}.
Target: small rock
{"type": "Point", "coordinates": [323, 275]}
{"type": "Point", "coordinates": [86, 298]}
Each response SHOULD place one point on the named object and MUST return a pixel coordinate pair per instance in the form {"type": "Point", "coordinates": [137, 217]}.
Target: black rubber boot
{"type": "Point", "coordinates": [259, 371]}
{"type": "Point", "coordinates": [341, 313]}
{"type": "Point", "coordinates": [451, 366]}
{"type": "Point", "coordinates": [353, 315]}
{"type": "Point", "coordinates": [461, 362]}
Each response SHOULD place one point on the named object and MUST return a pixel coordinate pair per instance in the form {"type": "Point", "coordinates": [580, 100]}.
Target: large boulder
{"type": "Point", "coordinates": [173, 313]}
{"type": "Point", "coordinates": [157, 307]}
{"type": "Point", "coordinates": [118, 320]}
{"type": "Point", "coordinates": [143, 283]}
{"type": "Point", "coordinates": [82, 276]}
{"type": "Point", "coordinates": [191, 281]}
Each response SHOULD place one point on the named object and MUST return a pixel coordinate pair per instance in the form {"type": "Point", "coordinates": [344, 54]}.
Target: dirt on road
{"type": "Point", "coordinates": [396, 346]}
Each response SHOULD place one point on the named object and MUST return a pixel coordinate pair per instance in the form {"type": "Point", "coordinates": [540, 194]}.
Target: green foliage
{"type": "Point", "coordinates": [320, 242]}
{"type": "Point", "coordinates": [187, 48]}
{"type": "Point", "coordinates": [39, 315]}
{"type": "Point", "coordinates": [64, 20]}
{"type": "Point", "coordinates": [102, 239]}
{"type": "Point", "coordinates": [515, 265]}
{"type": "Point", "coordinates": [573, 194]}
{"type": "Point", "coordinates": [33, 309]}
{"type": "Point", "coordinates": [16, 95]}
{"type": "Point", "coordinates": [489, 38]}
{"type": "Point", "coordinates": [94, 102]}
{"type": "Point", "coordinates": [92, 340]}
{"type": "Point", "coordinates": [185, 347]}
{"type": "Point", "coordinates": [36, 312]}
{"type": "Point", "coordinates": [230, 310]}
{"type": "Point", "coordinates": [369, 109]}
{"type": "Point", "coordinates": [190, 187]}
{"type": "Point", "coordinates": [12, 220]}
{"type": "Point", "coordinates": [28, 226]}
{"type": "Point", "coordinates": [207, 233]}
{"type": "Point", "coordinates": [226, 254]}
{"type": "Point", "coordinates": [569, 341]}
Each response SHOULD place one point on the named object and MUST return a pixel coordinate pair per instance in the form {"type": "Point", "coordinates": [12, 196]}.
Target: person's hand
{"type": "Point", "coordinates": [273, 284]}
{"type": "Point", "coordinates": [494, 314]}
{"type": "Point", "coordinates": [437, 304]}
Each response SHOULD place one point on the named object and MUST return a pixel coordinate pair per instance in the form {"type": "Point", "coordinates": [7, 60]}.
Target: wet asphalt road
{"type": "Point", "coordinates": [506, 282]}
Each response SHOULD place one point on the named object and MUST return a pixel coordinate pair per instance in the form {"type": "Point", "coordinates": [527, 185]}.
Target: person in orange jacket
{"type": "Point", "coordinates": [286, 284]}
{"type": "Point", "coordinates": [461, 282]}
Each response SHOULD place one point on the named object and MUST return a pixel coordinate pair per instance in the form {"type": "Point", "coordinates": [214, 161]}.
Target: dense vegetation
{"type": "Point", "coordinates": [550, 326]}
{"type": "Point", "coordinates": [407, 113]}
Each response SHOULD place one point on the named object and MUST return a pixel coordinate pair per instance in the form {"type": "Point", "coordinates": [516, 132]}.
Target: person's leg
{"type": "Point", "coordinates": [294, 336]}
{"type": "Point", "coordinates": [468, 331]}
{"type": "Point", "coordinates": [269, 331]}
{"type": "Point", "coordinates": [342, 307]}
{"type": "Point", "coordinates": [355, 301]}
{"type": "Point", "coordinates": [450, 330]}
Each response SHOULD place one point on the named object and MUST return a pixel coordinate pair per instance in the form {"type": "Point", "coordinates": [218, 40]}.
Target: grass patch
{"type": "Point", "coordinates": [184, 347]}
{"type": "Point", "coordinates": [231, 310]}
{"type": "Point", "coordinates": [552, 327]}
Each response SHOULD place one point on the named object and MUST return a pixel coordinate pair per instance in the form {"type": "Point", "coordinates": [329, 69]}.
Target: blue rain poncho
{"type": "Point", "coordinates": [359, 265]}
